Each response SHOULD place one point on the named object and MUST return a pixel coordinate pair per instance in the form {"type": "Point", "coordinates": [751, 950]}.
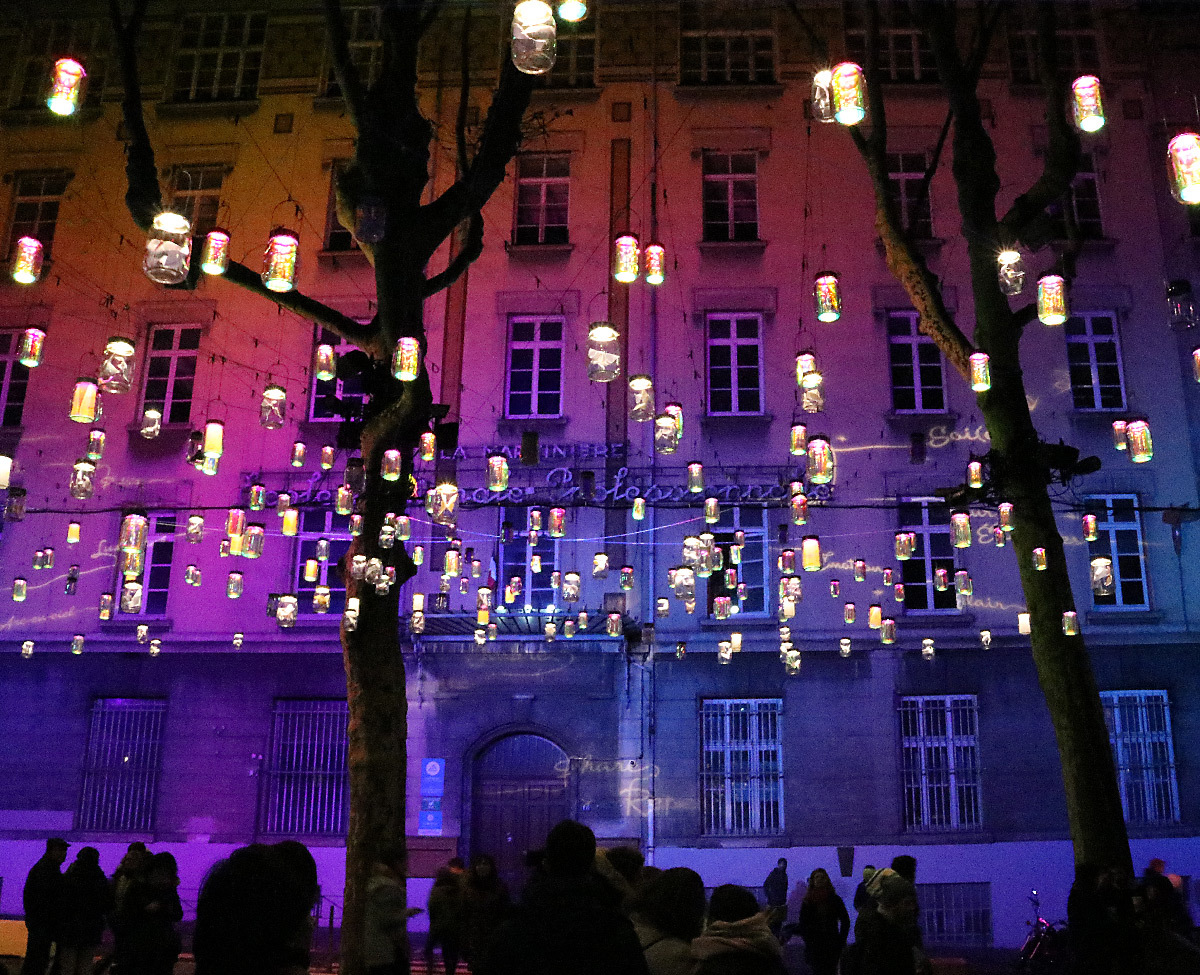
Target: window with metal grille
{"type": "Point", "coordinates": [939, 746]}
{"type": "Point", "coordinates": [916, 366]}
{"type": "Point", "coordinates": [752, 569]}
{"type": "Point", "coordinates": [1078, 46]}
{"type": "Point", "coordinates": [1139, 730]}
{"type": "Point", "coordinates": [219, 57]}
{"type": "Point", "coordinates": [903, 53]}
{"type": "Point", "coordinates": [306, 788]}
{"type": "Point", "coordinates": [929, 520]}
{"type": "Point", "coordinates": [171, 371]}
{"type": "Point", "coordinates": [366, 49]}
{"type": "Point", "coordinates": [120, 769]}
{"type": "Point", "coordinates": [730, 195]}
{"type": "Point", "coordinates": [516, 562]}
{"type": "Point", "coordinates": [958, 915]}
{"type": "Point", "coordinates": [1083, 200]}
{"type": "Point", "coordinates": [909, 193]}
{"type": "Point", "coordinates": [156, 565]}
{"type": "Point", "coordinates": [1119, 537]}
{"type": "Point", "coordinates": [196, 195]}
{"type": "Point", "coordinates": [734, 363]}
{"type": "Point", "coordinates": [36, 198]}
{"type": "Point", "coordinates": [14, 380]}
{"type": "Point", "coordinates": [88, 41]}
{"type": "Point", "coordinates": [534, 378]}
{"type": "Point", "coordinates": [333, 400]}
{"type": "Point", "coordinates": [726, 45]}
{"type": "Point", "coordinates": [317, 524]}
{"type": "Point", "coordinates": [575, 57]}
{"type": "Point", "coordinates": [741, 767]}
{"type": "Point", "coordinates": [1094, 361]}
{"type": "Point", "coordinates": [543, 195]}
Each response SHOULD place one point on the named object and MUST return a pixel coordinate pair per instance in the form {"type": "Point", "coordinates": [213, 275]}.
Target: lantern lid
{"type": "Point", "coordinates": [85, 379]}
{"type": "Point", "coordinates": [823, 77]}
{"type": "Point", "coordinates": [119, 345]}
{"type": "Point", "coordinates": [602, 332]}
{"type": "Point", "coordinates": [172, 223]}
{"type": "Point", "coordinates": [218, 233]}
{"type": "Point", "coordinates": [274, 392]}
{"type": "Point", "coordinates": [640, 382]}
{"type": "Point", "coordinates": [282, 234]}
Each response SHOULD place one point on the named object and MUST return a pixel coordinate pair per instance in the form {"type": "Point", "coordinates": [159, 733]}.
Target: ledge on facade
{"type": "Point", "coordinates": [743, 622]}
{"type": "Point", "coordinates": [19, 118]}
{"type": "Point", "coordinates": [763, 92]}
{"type": "Point", "coordinates": [939, 621]}
{"type": "Point", "coordinates": [330, 104]}
{"type": "Point", "coordinates": [170, 437]}
{"type": "Point", "coordinates": [722, 248]}
{"type": "Point", "coordinates": [913, 89]}
{"type": "Point", "coordinates": [573, 93]}
{"type": "Point", "coordinates": [128, 623]}
{"type": "Point", "coordinates": [540, 423]}
{"type": "Point", "coordinates": [928, 246]}
{"type": "Point", "coordinates": [917, 419]}
{"type": "Point", "coordinates": [1123, 617]}
{"type": "Point", "coordinates": [735, 421]}
{"type": "Point", "coordinates": [538, 252]}
{"type": "Point", "coordinates": [191, 110]}
{"type": "Point", "coordinates": [351, 257]}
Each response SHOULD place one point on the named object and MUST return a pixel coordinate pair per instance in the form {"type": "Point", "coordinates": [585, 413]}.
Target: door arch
{"type": "Point", "coordinates": [519, 790]}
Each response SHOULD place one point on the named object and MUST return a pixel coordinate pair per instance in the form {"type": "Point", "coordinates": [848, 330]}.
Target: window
{"type": "Point", "coordinates": [36, 197]}
{"type": "Point", "coordinates": [957, 915]}
{"type": "Point", "coordinates": [14, 380]}
{"type": "Point", "coordinates": [929, 520]}
{"type": "Point", "coordinates": [156, 566]}
{"type": "Point", "coordinates": [333, 400]}
{"type": "Point", "coordinates": [120, 771]}
{"type": "Point", "coordinates": [734, 363]}
{"type": "Point", "coordinates": [730, 195]}
{"type": "Point", "coordinates": [171, 371]}
{"type": "Point", "coordinates": [317, 524]}
{"type": "Point", "coordinates": [1078, 48]}
{"type": "Point", "coordinates": [536, 591]}
{"type": "Point", "coordinates": [543, 193]}
{"type": "Point", "coordinates": [726, 46]}
{"type": "Point", "coordinates": [219, 57]}
{"type": "Point", "coordinates": [903, 54]}
{"type": "Point", "coordinates": [916, 366]}
{"type": "Point", "coordinates": [575, 58]}
{"type": "Point", "coordinates": [939, 742]}
{"type": "Point", "coordinates": [741, 777]}
{"type": "Point", "coordinates": [1119, 537]}
{"type": "Point", "coordinates": [535, 352]}
{"type": "Point", "coordinates": [306, 789]}
{"type": "Point", "coordinates": [196, 195]}
{"type": "Point", "coordinates": [752, 571]}
{"type": "Point", "coordinates": [909, 193]}
{"type": "Point", "coordinates": [366, 49]}
{"type": "Point", "coordinates": [337, 237]}
{"type": "Point", "coordinates": [1083, 199]}
{"type": "Point", "coordinates": [1139, 730]}
{"type": "Point", "coordinates": [89, 41]}
{"type": "Point", "coordinates": [1094, 361]}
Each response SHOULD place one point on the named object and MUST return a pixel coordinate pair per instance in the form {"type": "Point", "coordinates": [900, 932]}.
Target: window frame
{"type": "Point", "coordinates": [892, 57]}
{"type": "Point", "coordinates": [317, 796]}
{"type": "Point", "coordinates": [249, 56]}
{"type": "Point", "coordinates": [42, 227]}
{"type": "Point", "coordinates": [163, 532]}
{"type": "Point", "coordinates": [756, 531]}
{"type": "Point", "coordinates": [537, 345]}
{"type": "Point", "coordinates": [12, 374]}
{"type": "Point", "coordinates": [924, 557]}
{"type": "Point", "coordinates": [575, 58]}
{"type": "Point", "coordinates": [188, 201]}
{"type": "Point", "coordinates": [175, 354]}
{"type": "Point", "coordinates": [727, 182]}
{"type": "Point", "coordinates": [915, 340]}
{"type": "Point", "coordinates": [1107, 542]}
{"type": "Point", "coordinates": [956, 913]}
{"type": "Point", "coordinates": [318, 388]}
{"type": "Point", "coordinates": [918, 818]}
{"type": "Point", "coordinates": [697, 34]}
{"type": "Point", "coordinates": [364, 38]}
{"type": "Point", "coordinates": [515, 553]}
{"type": "Point", "coordinates": [900, 179]}
{"type": "Point", "coordinates": [44, 43]}
{"type": "Point", "coordinates": [764, 812]}
{"type": "Point", "coordinates": [123, 777]}
{"type": "Point", "coordinates": [1086, 179]}
{"type": "Point", "coordinates": [1089, 340]}
{"type": "Point", "coordinates": [306, 540]}
{"type": "Point", "coordinates": [1142, 738]}
{"type": "Point", "coordinates": [734, 342]}
{"type": "Point", "coordinates": [543, 184]}
{"type": "Point", "coordinates": [1076, 25]}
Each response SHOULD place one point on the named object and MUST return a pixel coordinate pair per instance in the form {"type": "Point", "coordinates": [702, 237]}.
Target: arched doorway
{"type": "Point", "coordinates": [519, 791]}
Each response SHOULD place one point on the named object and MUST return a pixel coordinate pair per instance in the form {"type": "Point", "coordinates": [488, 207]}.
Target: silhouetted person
{"type": "Point", "coordinates": [668, 913]}
{"type": "Point", "coordinates": [824, 924]}
{"type": "Point", "coordinates": [775, 890]}
{"type": "Point", "coordinates": [385, 941]}
{"type": "Point", "coordinates": [486, 904]}
{"type": "Point", "coordinates": [447, 916]}
{"type": "Point", "coordinates": [1088, 926]}
{"type": "Point", "coordinates": [737, 940]}
{"type": "Point", "coordinates": [862, 898]}
{"type": "Point", "coordinates": [883, 938]}
{"type": "Point", "coordinates": [906, 866]}
{"type": "Point", "coordinates": [87, 900]}
{"type": "Point", "coordinates": [567, 923]}
{"type": "Point", "coordinates": [149, 915]}
{"type": "Point", "coordinates": [43, 901]}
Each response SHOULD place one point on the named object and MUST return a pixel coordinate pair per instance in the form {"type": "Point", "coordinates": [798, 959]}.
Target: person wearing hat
{"type": "Point", "coordinates": [43, 902]}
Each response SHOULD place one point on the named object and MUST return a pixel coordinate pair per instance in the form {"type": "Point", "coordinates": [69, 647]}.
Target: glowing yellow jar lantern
{"type": "Point", "coordinates": [639, 509]}
{"type": "Point", "coordinates": [428, 445]}
{"type": "Point", "coordinates": [85, 401]}
{"type": "Point", "coordinates": [497, 473]}
{"type": "Point", "coordinates": [1039, 559]}
{"type": "Point", "coordinates": [1087, 103]}
{"type": "Point", "coordinates": [981, 372]}
{"type": "Point", "coordinates": [272, 411]}
{"type": "Point", "coordinates": [344, 497]}
{"type": "Point", "coordinates": [1119, 434]}
{"type": "Point", "coordinates": [603, 353]}
{"type": "Point", "coordinates": [235, 522]}
{"type": "Point", "coordinates": [445, 503]}
{"type": "Point", "coordinates": [327, 457]}
{"type": "Point", "coordinates": [695, 477]}
{"type": "Point", "coordinates": [1141, 446]}
{"type": "Point", "coordinates": [253, 541]}
{"type": "Point", "coordinates": [799, 508]}
{"type": "Point", "coordinates": [828, 297]}
{"type": "Point", "coordinates": [656, 264]}
{"type": "Point", "coordinates": [810, 553]}
{"type": "Point", "coordinates": [534, 36]}
{"type": "Point", "coordinates": [712, 511]}
{"type": "Point", "coordinates": [849, 93]}
{"type": "Point", "coordinates": [66, 86]}
{"type": "Point", "coordinates": [5, 471]}
{"type": "Point", "coordinates": [73, 533]}
{"type": "Point", "coordinates": [168, 249]}
{"type": "Point", "coordinates": [1183, 167]}
{"type": "Point", "coordinates": [1052, 299]}
{"type": "Point", "coordinates": [642, 408]}
{"type": "Point", "coordinates": [32, 342]}
{"type": "Point", "coordinates": [960, 529]}
{"type": "Point", "coordinates": [1010, 271]}
{"type": "Point", "coordinates": [975, 474]}
{"type": "Point", "coordinates": [134, 532]}
{"type": "Point", "coordinates": [27, 260]}
{"type": "Point", "coordinates": [1070, 623]}
{"type": "Point", "coordinates": [906, 543]}
{"type": "Point", "coordinates": [820, 460]}
{"type": "Point", "coordinates": [452, 562]}
{"type": "Point", "coordinates": [280, 260]}
{"type": "Point", "coordinates": [406, 360]}
{"type": "Point", "coordinates": [1090, 528]}
{"type": "Point", "coordinates": [214, 438]}
{"type": "Point", "coordinates": [666, 441]}
{"type": "Point", "coordinates": [1004, 513]}
{"type": "Point", "coordinates": [808, 376]}
{"type": "Point", "coordinates": [290, 524]}
{"type": "Point", "coordinates": [887, 630]}
{"type": "Point", "coordinates": [214, 252]}
{"type": "Point", "coordinates": [389, 466]}
{"type": "Point", "coordinates": [875, 616]}
{"type": "Point", "coordinates": [625, 258]}
{"type": "Point", "coordinates": [1196, 364]}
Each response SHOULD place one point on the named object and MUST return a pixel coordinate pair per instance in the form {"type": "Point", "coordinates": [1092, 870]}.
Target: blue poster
{"type": "Point", "coordinates": [429, 819]}
{"type": "Point", "coordinates": [433, 777]}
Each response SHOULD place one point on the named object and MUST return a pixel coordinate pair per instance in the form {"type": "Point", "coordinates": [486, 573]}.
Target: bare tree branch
{"type": "Point", "coordinates": [936, 156]}
{"type": "Point", "coordinates": [815, 39]}
{"type": "Point", "coordinates": [472, 247]}
{"type": "Point", "coordinates": [348, 78]}
{"type": "Point", "coordinates": [989, 19]}
{"type": "Point", "coordinates": [464, 93]}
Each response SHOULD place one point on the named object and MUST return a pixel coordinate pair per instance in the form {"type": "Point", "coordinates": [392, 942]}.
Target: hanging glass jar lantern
{"type": "Point", "coordinates": [975, 474]}
{"type": "Point", "coordinates": [280, 260]}
{"type": "Point", "coordinates": [66, 86]}
{"type": "Point", "coordinates": [14, 504]}
{"type": "Point", "coordinates": [214, 252]}
{"type": "Point", "coordinates": [299, 453]}
{"type": "Point", "coordinates": [85, 401]}
{"type": "Point", "coordinates": [557, 522]}
{"type": "Point", "coordinates": [286, 611]}
{"type": "Point", "coordinates": [321, 599]}
{"type": "Point", "coordinates": [428, 445]}
{"type": "Point", "coordinates": [787, 561]}
{"type": "Point", "coordinates": [927, 648]}
{"type": "Point", "coordinates": [941, 579]}
{"type": "Point", "coordinates": [808, 376]}
{"type": "Point", "coordinates": [962, 583]}
{"type": "Point", "coordinates": [95, 447]}
{"type": "Point", "coordinates": [327, 457]}
{"type": "Point", "coordinates": [1119, 434]}
{"type": "Point", "coordinates": [20, 589]}
{"type": "Point", "coordinates": [570, 587]}
{"type": "Point", "coordinates": [875, 616]}
{"type": "Point", "coordinates": [290, 525]}
{"type": "Point", "coordinates": [235, 522]}
{"type": "Point", "coordinates": [151, 424]}
{"type": "Point", "coordinates": [105, 608]}
{"type": "Point", "coordinates": [665, 439]}
{"type": "Point", "coordinates": [627, 577]}
{"type": "Point", "coordinates": [981, 372]}
{"type": "Point", "coordinates": [625, 258]}
{"type": "Point", "coordinates": [849, 93]}
{"type": "Point", "coordinates": [534, 35]}
{"type": "Point", "coordinates": [344, 497]}
{"type": "Point", "coordinates": [799, 509]}
{"type": "Point", "coordinates": [960, 529]}
{"type": "Point", "coordinates": [603, 353]}
{"type": "Point", "coordinates": [452, 562]}
{"type": "Point", "coordinates": [835, 588]}
{"type": "Point", "coordinates": [1052, 299]}
{"type": "Point", "coordinates": [656, 264]}
{"type": "Point", "coordinates": [73, 533]}
{"type": "Point", "coordinates": [214, 438]}
{"type": "Point", "coordinates": [722, 607]}
{"type": "Point", "coordinates": [1070, 623]}
{"type": "Point", "coordinates": [639, 509]}
{"type": "Point", "coordinates": [1141, 446]}
{"type": "Point", "coordinates": [1004, 512]}
{"type": "Point", "coordinates": [497, 473]}
{"type": "Point", "coordinates": [850, 613]}
{"type": "Point", "coordinates": [695, 477]}
{"type": "Point", "coordinates": [906, 543]}
{"type": "Point", "coordinates": [887, 630]}
{"type": "Point", "coordinates": [798, 440]}
{"type": "Point", "coordinates": [253, 541]}
{"type": "Point", "coordinates": [1087, 104]}
{"type": "Point", "coordinates": [325, 363]}
{"type": "Point", "coordinates": [828, 297]}
{"type": "Point", "coordinates": [5, 470]}
{"type": "Point", "coordinates": [898, 592]}
{"type": "Point", "coordinates": [27, 260]}
{"type": "Point", "coordinates": [168, 249]}
{"type": "Point", "coordinates": [860, 570]}
{"type": "Point", "coordinates": [135, 530]}
{"type": "Point", "coordinates": [83, 479]}
{"type": "Point", "coordinates": [1183, 167]}
{"type": "Point", "coordinates": [1196, 364]}
{"type": "Point", "coordinates": [600, 565]}
{"type": "Point", "coordinates": [1103, 583]}
{"type": "Point", "coordinates": [131, 597]}
{"type": "Point", "coordinates": [1039, 559]}
{"type": "Point", "coordinates": [821, 96]}
{"type": "Point", "coordinates": [675, 410]}
{"type": "Point", "coordinates": [810, 553]}
{"type": "Point", "coordinates": [33, 340]}
{"type": "Point", "coordinates": [642, 408]}
{"type": "Point", "coordinates": [820, 460]}
{"type": "Point", "coordinates": [1091, 528]}
{"type": "Point", "coordinates": [712, 511]}
{"type": "Point", "coordinates": [1010, 271]}
{"type": "Point", "coordinates": [272, 411]}
{"type": "Point", "coordinates": [116, 366]}
{"type": "Point", "coordinates": [403, 528]}
{"type": "Point", "coordinates": [406, 359]}
{"type": "Point", "coordinates": [445, 503]}
{"type": "Point", "coordinates": [77, 642]}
